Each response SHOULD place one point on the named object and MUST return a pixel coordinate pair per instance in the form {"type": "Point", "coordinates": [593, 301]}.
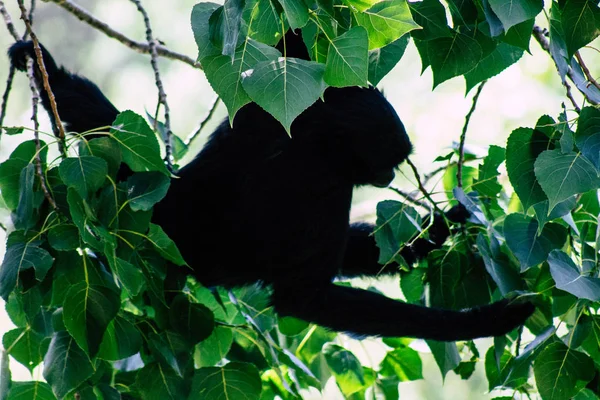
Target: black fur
{"type": "Point", "coordinates": [257, 206]}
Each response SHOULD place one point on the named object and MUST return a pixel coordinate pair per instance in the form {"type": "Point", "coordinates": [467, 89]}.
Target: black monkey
{"type": "Point", "coordinates": [283, 205]}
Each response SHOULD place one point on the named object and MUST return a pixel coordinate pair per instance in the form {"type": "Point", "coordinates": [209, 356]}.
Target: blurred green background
{"type": "Point", "coordinates": [515, 98]}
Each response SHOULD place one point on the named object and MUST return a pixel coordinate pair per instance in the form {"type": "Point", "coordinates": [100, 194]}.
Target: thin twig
{"type": "Point", "coordinates": [540, 36]}
{"type": "Point", "coordinates": [5, 95]}
{"type": "Point", "coordinates": [11, 70]}
{"type": "Point", "coordinates": [409, 197]}
{"type": "Point", "coordinates": [59, 130]}
{"type": "Point", "coordinates": [427, 177]}
{"type": "Point", "coordinates": [162, 96]}
{"type": "Point", "coordinates": [3, 227]}
{"type": "Point", "coordinates": [35, 98]}
{"type": "Point", "coordinates": [463, 135]}
{"type": "Point", "coordinates": [30, 16]}
{"type": "Point", "coordinates": [421, 187]}
{"type": "Point", "coordinates": [203, 123]}
{"type": "Point", "coordinates": [94, 22]}
{"type": "Point", "coordinates": [586, 70]}
{"type": "Point", "coordinates": [8, 22]}
{"type": "Point", "coordinates": [571, 98]}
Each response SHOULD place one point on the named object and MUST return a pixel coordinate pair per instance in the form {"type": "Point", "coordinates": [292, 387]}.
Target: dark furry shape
{"type": "Point", "coordinates": [258, 206]}
{"type": "Point", "coordinates": [81, 105]}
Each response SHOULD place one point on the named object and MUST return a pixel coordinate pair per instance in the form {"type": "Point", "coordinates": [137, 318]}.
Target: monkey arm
{"type": "Point", "coordinates": [81, 105]}
{"type": "Point", "coordinates": [362, 254]}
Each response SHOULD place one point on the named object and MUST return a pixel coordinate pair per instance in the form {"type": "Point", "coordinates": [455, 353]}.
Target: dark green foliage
{"type": "Point", "coordinates": [85, 283]}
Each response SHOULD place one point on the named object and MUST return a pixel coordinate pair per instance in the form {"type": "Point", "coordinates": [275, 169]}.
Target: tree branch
{"type": "Point", "coordinates": [58, 126]}
{"type": "Point", "coordinates": [94, 22]}
{"type": "Point", "coordinates": [203, 123]}
{"type": "Point", "coordinates": [421, 187]}
{"type": "Point", "coordinates": [5, 95]}
{"type": "Point", "coordinates": [35, 98]}
{"type": "Point", "coordinates": [8, 22]}
{"type": "Point", "coordinates": [409, 197]}
{"type": "Point", "coordinates": [162, 96]}
{"type": "Point", "coordinates": [586, 70]}
{"type": "Point", "coordinates": [463, 135]}
{"type": "Point", "coordinates": [540, 36]}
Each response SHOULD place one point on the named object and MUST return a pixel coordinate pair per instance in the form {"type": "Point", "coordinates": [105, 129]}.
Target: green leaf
{"type": "Point", "coordinates": [397, 223]}
{"type": "Point", "coordinates": [464, 12]}
{"type": "Point", "coordinates": [195, 322]}
{"type": "Point", "coordinates": [145, 189]}
{"type": "Point", "coordinates": [66, 366]}
{"type": "Point", "coordinates": [487, 184]}
{"type": "Point", "coordinates": [10, 170]}
{"type": "Point", "coordinates": [165, 246]}
{"type": "Point", "coordinates": [25, 346]}
{"type": "Point", "coordinates": [18, 258]}
{"type": "Point", "coordinates": [286, 87]}
{"type": "Point", "coordinates": [587, 135]}
{"type": "Point", "coordinates": [413, 285]}
{"type": "Point", "coordinates": [381, 61]}
{"type": "Point", "coordinates": [569, 278]}
{"type": "Point", "coordinates": [87, 311]}
{"type": "Point", "coordinates": [347, 59]}
{"type": "Point", "coordinates": [503, 56]}
{"type": "Point", "coordinates": [234, 381]}
{"type": "Point", "coordinates": [85, 174]}
{"type": "Point", "coordinates": [24, 217]}
{"type": "Point", "coordinates": [14, 130]}
{"type": "Point", "coordinates": [558, 47]}
{"type": "Point", "coordinates": [456, 281]}
{"type": "Point", "coordinates": [105, 148]}
{"type": "Point", "coordinates": [225, 26]}
{"type": "Point", "coordinates": [503, 274]}
{"type": "Point", "coordinates": [386, 21]}
{"type": "Point", "coordinates": [523, 147]}
{"type": "Point", "coordinates": [521, 233]}
{"type": "Point", "coordinates": [563, 175]}
{"type": "Point", "coordinates": [200, 26]}
{"type": "Point", "coordinates": [497, 370]}
{"type": "Point", "coordinates": [129, 276]}
{"type": "Point", "coordinates": [214, 348]}
{"type": "Point", "coordinates": [10, 174]}
{"type": "Point", "coordinates": [453, 56]}
{"type": "Point", "coordinates": [513, 12]}
{"type": "Point", "coordinates": [154, 381]}
{"type": "Point", "coordinates": [263, 18]}
{"type": "Point", "coordinates": [404, 363]}
{"type": "Point", "coordinates": [561, 372]}
{"type": "Point", "coordinates": [445, 355]}
{"type": "Point", "coordinates": [291, 326]}
{"type": "Point", "coordinates": [225, 76]}
{"type": "Point", "coordinates": [361, 5]}
{"type": "Point", "coordinates": [345, 367]}
{"type": "Point", "coordinates": [431, 15]}
{"type": "Point", "coordinates": [296, 12]}
{"type": "Point", "coordinates": [83, 217]}
{"type": "Point", "coordinates": [64, 237]}
{"type": "Point", "coordinates": [544, 215]}
{"type": "Point", "coordinates": [34, 390]}
{"type": "Point", "coordinates": [580, 23]}
{"type": "Point", "coordinates": [520, 35]}
{"type": "Point", "coordinates": [138, 143]}
{"type": "Point", "coordinates": [121, 340]}
{"type": "Point", "coordinates": [170, 348]}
